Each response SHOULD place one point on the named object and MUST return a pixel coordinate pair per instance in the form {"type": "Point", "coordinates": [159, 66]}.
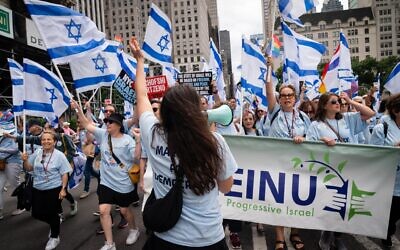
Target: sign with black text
{"type": "Point", "coordinates": [123, 86]}
{"type": "Point", "coordinates": [200, 81]}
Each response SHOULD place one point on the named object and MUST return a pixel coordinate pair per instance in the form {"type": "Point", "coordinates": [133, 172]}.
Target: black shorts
{"type": "Point", "coordinates": [109, 196]}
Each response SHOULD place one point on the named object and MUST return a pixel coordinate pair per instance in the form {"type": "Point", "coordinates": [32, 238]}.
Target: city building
{"type": "Point", "coordinates": [387, 14]}
{"type": "Point", "coordinates": [94, 10]}
{"type": "Point", "coordinates": [358, 25]}
{"type": "Point", "coordinates": [225, 50]}
{"type": "Point", "coordinates": [267, 7]}
{"type": "Point", "coordinates": [213, 20]}
{"type": "Point", "coordinates": [354, 4]}
{"type": "Point", "coordinates": [331, 5]}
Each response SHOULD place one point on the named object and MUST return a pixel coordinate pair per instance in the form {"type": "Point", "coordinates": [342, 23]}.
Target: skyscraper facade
{"type": "Point", "coordinates": [331, 5]}
{"type": "Point", "coordinates": [225, 50]}
{"type": "Point", "coordinates": [94, 10]}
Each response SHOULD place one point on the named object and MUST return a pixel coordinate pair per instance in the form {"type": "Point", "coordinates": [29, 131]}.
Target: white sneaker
{"type": "Point", "coordinates": [84, 195]}
{"type": "Point", "coordinates": [108, 246]}
{"type": "Point", "coordinates": [18, 212]}
{"type": "Point", "coordinates": [52, 243]}
{"type": "Point", "coordinates": [132, 237]}
{"type": "Point", "coordinates": [74, 208]}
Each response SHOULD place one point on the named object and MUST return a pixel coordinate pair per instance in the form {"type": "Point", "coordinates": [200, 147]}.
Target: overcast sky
{"type": "Point", "coordinates": [243, 18]}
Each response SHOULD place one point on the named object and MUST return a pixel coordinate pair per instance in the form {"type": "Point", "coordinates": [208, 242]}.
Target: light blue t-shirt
{"type": "Point", "coordinates": [347, 127]}
{"type": "Point", "coordinates": [112, 175]}
{"type": "Point", "coordinates": [200, 223]}
{"type": "Point", "coordinates": [281, 126]}
{"type": "Point", "coordinates": [263, 125]}
{"type": "Point", "coordinates": [48, 169]}
{"type": "Point", "coordinates": [392, 138]}
{"type": "Point", "coordinates": [9, 148]}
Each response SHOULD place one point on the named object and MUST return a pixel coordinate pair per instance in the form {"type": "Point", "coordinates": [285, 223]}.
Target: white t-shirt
{"type": "Point", "coordinates": [347, 127]}
{"type": "Point", "coordinates": [48, 170]}
{"type": "Point", "coordinates": [200, 223]}
{"type": "Point", "coordinates": [112, 175]}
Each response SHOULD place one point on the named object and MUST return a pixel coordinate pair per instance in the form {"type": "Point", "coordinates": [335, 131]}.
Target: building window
{"type": "Point", "coordinates": [367, 40]}
{"type": "Point", "coordinates": [366, 48]}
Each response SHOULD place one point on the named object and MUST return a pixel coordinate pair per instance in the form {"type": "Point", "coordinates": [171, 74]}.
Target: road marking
{"type": "Point", "coordinates": [259, 242]}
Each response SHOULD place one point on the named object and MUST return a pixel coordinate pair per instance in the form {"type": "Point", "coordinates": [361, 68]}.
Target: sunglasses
{"type": "Point", "coordinates": [108, 111]}
{"type": "Point", "coordinates": [108, 121]}
{"type": "Point", "coordinates": [334, 102]}
{"type": "Point", "coordinates": [155, 110]}
{"type": "Point", "coordinates": [286, 95]}
{"type": "Point", "coordinates": [344, 104]}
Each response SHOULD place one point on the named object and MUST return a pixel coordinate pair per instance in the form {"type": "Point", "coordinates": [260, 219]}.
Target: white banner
{"type": "Point", "coordinates": [345, 188]}
{"type": "Point", "coordinates": [33, 37]}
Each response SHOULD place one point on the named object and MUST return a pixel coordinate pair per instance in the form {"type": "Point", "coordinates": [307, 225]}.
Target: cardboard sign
{"type": "Point", "coordinates": [123, 85]}
{"type": "Point", "coordinates": [200, 81]}
{"type": "Point", "coordinates": [156, 86]}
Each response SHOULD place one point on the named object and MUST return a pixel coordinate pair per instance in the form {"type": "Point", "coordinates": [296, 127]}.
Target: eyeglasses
{"type": "Point", "coordinates": [344, 104]}
{"type": "Point", "coordinates": [286, 95]}
{"type": "Point", "coordinates": [108, 111]}
{"type": "Point", "coordinates": [155, 110]}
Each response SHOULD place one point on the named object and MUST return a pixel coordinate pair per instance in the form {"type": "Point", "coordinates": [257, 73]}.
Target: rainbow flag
{"type": "Point", "coordinates": [274, 47]}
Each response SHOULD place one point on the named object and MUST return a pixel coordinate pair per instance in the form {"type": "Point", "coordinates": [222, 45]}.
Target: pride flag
{"type": "Point", "coordinates": [274, 47]}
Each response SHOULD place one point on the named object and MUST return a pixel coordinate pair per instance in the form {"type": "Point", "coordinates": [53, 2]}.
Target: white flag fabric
{"type": "Point", "coordinates": [339, 74]}
{"type": "Point", "coordinates": [254, 72]}
{"type": "Point", "coordinates": [128, 64]}
{"type": "Point", "coordinates": [17, 80]}
{"type": "Point", "coordinates": [96, 70]}
{"type": "Point", "coordinates": [171, 74]}
{"type": "Point", "coordinates": [393, 81]}
{"type": "Point", "coordinates": [47, 95]}
{"type": "Point", "coordinates": [291, 10]}
{"type": "Point", "coordinates": [157, 45]}
{"type": "Point", "coordinates": [66, 33]}
{"type": "Point", "coordinates": [215, 65]}
{"type": "Point", "coordinates": [128, 110]}
{"type": "Point", "coordinates": [301, 57]}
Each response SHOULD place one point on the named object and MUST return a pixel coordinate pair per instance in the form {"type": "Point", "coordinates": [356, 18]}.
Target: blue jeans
{"type": "Point", "coordinates": [88, 172]}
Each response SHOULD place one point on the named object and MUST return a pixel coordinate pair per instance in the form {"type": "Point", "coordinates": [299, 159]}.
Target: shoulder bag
{"type": "Point", "coordinates": [160, 215]}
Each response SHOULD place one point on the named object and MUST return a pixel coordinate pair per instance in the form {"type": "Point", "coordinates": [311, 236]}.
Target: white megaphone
{"type": "Point", "coordinates": [222, 115]}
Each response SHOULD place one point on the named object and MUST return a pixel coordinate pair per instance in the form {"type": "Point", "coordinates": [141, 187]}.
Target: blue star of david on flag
{"type": "Point", "coordinates": [100, 63]}
{"type": "Point", "coordinates": [163, 43]}
{"type": "Point", "coordinates": [262, 74]}
{"type": "Point", "coordinates": [53, 96]}
{"type": "Point", "coordinates": [75, 35]}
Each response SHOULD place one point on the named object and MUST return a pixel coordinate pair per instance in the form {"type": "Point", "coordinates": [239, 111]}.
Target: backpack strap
{"type": "Point", "coordinates": [276, 114]}
{"type": "Point", "coordinates": [385, 128]}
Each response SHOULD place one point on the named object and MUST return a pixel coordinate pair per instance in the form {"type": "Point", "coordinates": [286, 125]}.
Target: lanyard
{"type": "Point", "coordinates": [290, 129]}
{"type": "Point", "coordinates": [45, 168]}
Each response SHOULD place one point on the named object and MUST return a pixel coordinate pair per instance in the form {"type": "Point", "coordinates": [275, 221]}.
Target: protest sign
{"type": "Point", "coordinates": [200, 81]}
{"type": "Point", "coordinates": [123, 86]}
{"type": "Point", "coordinates": [156, 86]}
{"type": "Point", "coordinates": [345, 188]}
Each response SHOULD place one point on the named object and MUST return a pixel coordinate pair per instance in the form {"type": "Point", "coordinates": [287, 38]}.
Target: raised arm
{"type": "Point", "coordinates": [364, 110]}
{"type": "Point", "coordinates": [143, 102]}
{"type": "Point", "coordinates": [88, 125]}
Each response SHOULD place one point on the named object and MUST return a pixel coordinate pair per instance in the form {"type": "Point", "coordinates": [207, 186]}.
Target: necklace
{"type": "Point", "coordinates": [45, 168]}
{"type": "Point", "coordinates": [290, 129]}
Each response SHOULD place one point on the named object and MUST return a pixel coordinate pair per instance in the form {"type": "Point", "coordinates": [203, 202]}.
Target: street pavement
{"type": "Point", "coordinates": [22, 232]}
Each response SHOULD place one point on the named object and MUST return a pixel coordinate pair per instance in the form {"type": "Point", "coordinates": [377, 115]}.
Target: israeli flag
{"type": "Point", "coordinates": [128, 110]}
{"type": "Point", "coordinates": [77, 173]}
{"type": "Point", "coordinates": [157, 45]}
{"type": "Point", "coordinates": [254, 73]}
{"type": "Point", "coordinates": [17, 80]}
{"type": "Point", "coordinates": [47, 95]}
{"type": "Point", "coordinates": [291, 10]}
{"type": "Point", "coordinates": [393, 81]}
{"type": "Point", "coordinates": [301, 57]}
{"type": "Point", "coordinates": [171, 74]}
{"type": "Point", "coordinates": [215, 65]}
{"type": "Point", "coordinates": [66, 33]}
{"type": "Point", "coordinates": [128, 64]}
{"type": "Point", "coordinates": [96, 70]}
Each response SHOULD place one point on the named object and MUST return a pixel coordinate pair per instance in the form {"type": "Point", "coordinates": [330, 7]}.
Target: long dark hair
{"type": "Point", "coordinates": [393, 106]}
{"type": "Point", "coordinates": [188, 137]}
{"type": "Point", "coordinates": [320, 115]}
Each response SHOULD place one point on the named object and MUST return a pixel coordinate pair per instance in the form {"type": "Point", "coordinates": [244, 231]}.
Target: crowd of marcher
{"type": "Point", "coordinates": [174, 136]}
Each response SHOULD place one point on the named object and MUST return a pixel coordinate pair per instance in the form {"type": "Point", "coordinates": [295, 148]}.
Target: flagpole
{"type": "Point", "coordinates": [24, 131]}
{"type": "Point", "coordinates": [241, 104]}
{"type": "Point", "coordinates": [62, 80]}
{"type": "Point", "coordinates": [94, 93]}
{"type": "Point", "coordinates": [111, 94]}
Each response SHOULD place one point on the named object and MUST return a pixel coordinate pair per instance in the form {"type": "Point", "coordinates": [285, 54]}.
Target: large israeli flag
{"type": "Point", "coordinates": [339, 74]}
{"type": "Point", "coordinates": [171, 74]}
{"type": "Point", "coordinates": [215, 65]}
{"type": "Point", "coordinates": [96, 70]}
{"type": "Point", "coordinates": [157, 45]}
{"type": "Point", "coordinates": [17, 80]}
{"type": "Point", "coordinates": [66, 33]}
{"type": "Point", "coordinates": [254, 72]}
{"type": "Point", "coordinates": [128, 64]}
{"type": "Point", "coordinates": [393, 81]}
{"type": "Point", "coordinates": [47, 96]}
{"type": "Point", "coordinates": [291, 10]}
{"type": "Point", "coordinates": [301, 57]}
